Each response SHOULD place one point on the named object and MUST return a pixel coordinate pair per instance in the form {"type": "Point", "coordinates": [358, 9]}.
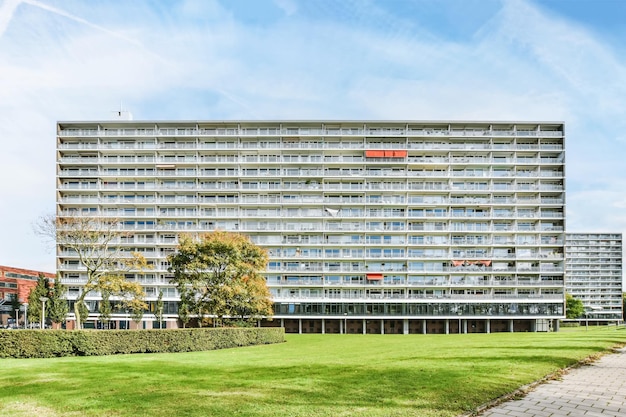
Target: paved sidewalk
{"type": "Point", "coordinates": [594, 390]}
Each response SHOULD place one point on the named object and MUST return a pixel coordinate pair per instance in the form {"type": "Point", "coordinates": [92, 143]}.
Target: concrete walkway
{"type": "Point", "coordinates": [594, 390]}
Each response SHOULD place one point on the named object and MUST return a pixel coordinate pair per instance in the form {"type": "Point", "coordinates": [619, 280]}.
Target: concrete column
{"type": "Point", "coordinates": [405, 326]}
{"type": "Point", "coordinates": [488, 326]}
{"type": "Point", "coordinates": [423, 326]}
{"type": "Point", "coordinates": [511, 326]}
{"type": "Point", "coordinates": [299, 326]}
{"type": "Point", "coordinates": [323, 326]}
{"type": "Point", "coordinates": [364, 326]}
{"type": "Point", "coordinates": [341, 329]}
{"type": "Point", "coordinates": [447, 326]}
{"type": "Point", "coordinates": [382, 326]}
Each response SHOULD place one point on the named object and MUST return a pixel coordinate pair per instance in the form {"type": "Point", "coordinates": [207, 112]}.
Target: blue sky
{"type": "Point", "coordinates": [542, 60]}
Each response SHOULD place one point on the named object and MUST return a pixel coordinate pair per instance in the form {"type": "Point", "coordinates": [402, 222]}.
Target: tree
{"type": "Point", "coordinates": [82, 312]}
{"type": "Point", "coordinates": [573, 307]}
{"type": "Point", "coordinates": [95, 243]}
{"type": "Point", "coordinates": [185, 304]}
{"type": "Point", "coordinates": [136, 315]}
{"type": "Point", "coordinates": [105, 309]}
{"type": "Point", "coordinates": [158, 312]}
{"type": "Point", "coordinates": [57, 305]}
{"type": "Point", "coordinates": [221, 271]}
{"type": "Point", "coordinates": [42, 289]}
{"type": "Point", "coordinates": [15, 305]}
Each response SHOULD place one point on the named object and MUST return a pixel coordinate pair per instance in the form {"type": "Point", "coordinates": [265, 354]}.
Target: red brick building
{"type": "Point", "coordinates": [17, 281]}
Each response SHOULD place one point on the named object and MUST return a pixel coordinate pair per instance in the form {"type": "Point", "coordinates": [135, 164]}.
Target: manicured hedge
{"type": "Point", "coordinates": [51, 343]}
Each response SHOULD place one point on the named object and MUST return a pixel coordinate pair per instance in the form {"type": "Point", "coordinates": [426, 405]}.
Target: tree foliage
{"type": "Point", "coordinates": [105, 308]}
{"type": "Point", "coordinates": [57, 305]}
{"type": "Point", "coordinates": [158, 313]}
{"type": "Point", "coordinates": [15, 305]}
{"type": "Point", "coordinates": [42, 289]}
{"type": "Point", "coordinates": [95, 243]}
{"type": "Point", "coordinates": [219, 274]}
{"type": "Point", "coordinates": [574, 307]}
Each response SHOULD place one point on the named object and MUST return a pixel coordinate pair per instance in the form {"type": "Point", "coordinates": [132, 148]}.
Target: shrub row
{"type": "Point", "coordinates": [52, 343]}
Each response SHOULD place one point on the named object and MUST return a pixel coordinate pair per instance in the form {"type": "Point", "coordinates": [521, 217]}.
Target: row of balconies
{"type": "Point", "coordinates": [237, 157]}
{"type": "Point", "coordinates": [416, 200]}
{"type": "Point", "coordinates": [360, 269]}
{"type": "Point", "coordinates": [370, 254]}
{"type": "Point", "coordinates": [371, 214]}
{"type": "Point", "coordinates": [190, 226]}
{"type": "Point", "coordinates": [293, 242]}
{"type": "Point", "coordinates": [473, 281]}
{"type": "Point", "coordinates": [398, 297]}
{"type": "Point", "coordinates": [409, 143]}
{"type": "Point", "coordinates": [285, 186]}
{"type": "Point", "coordinates": [234, 186]}
{"type": "Point", "coordinates": [281, 173]}
{"type": "Point", "coordinates": [268, 146]}
{"type": "Point", "coordinates": [405, 130]}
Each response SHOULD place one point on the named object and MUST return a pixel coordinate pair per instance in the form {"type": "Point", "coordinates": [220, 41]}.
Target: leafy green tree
{"type": "Point", "coordinates": [57, 307]}
{"type": "Point", "coordinates": [158, 312]}
{"type": "Point", "coordinates": [95, 243]}
{"type": "Point", "coordinates": [42, 289]}
{"type": "Point", "coordinates": [136, 315]}
{"type": "Point", "coordinates": [223, 272]}
{"type": "Point", "coordinates": [15, 305]}
{"type": "Point", "coordinates": [83, 313]}
{"type": "Point", "coordinates": [185, 305]}
{"type": "Point", "coordinates": [105, 309]}
{"type": "Point", "coordinates": [574, 307]}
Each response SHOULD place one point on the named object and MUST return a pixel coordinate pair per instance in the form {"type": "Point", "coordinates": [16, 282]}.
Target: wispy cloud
{"type": "Point", "coordinates": [325, 59]}
{"type": "Point", "coordinates": [7, 10]}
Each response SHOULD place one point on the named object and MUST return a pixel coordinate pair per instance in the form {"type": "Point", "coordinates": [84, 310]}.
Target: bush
{"type": "Point", "coordinates": [54, 343]}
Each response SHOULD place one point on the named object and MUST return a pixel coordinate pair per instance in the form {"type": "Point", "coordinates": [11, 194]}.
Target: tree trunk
{"type": "Point", "coordinates": [77, 325]}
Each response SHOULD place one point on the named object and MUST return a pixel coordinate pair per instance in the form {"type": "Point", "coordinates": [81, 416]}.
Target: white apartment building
{"type": "Point", "coordinates": [593, 274]}
{"type": "Point", "coordinates": [371, 226]}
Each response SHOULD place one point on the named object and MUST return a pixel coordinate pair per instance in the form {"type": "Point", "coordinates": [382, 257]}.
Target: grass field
{"type": "Point", "coordinates": [310, 375]}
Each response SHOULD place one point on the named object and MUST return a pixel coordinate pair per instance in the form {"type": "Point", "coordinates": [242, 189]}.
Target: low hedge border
{"type": "Point", "coordinates": [56, 343]}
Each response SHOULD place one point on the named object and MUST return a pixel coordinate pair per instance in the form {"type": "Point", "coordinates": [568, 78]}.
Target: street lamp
{"type": "Point", "coordinates": [43, 311]}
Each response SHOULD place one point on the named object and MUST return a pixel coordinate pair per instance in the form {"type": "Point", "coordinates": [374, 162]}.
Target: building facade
{"type": "Point", "coordinates": [371, 227]}
{"type": "Point", "coordinates": [19, 282]}
{"type": "Point", "coordinates": [593, 274]}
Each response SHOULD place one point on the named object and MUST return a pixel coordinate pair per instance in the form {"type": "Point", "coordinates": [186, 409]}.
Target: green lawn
{"type": "Point", "coordinates": [310, 375]}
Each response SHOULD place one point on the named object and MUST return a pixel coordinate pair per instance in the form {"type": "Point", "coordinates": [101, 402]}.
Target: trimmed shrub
{"type": "Point", "coordinates": [53, 343]}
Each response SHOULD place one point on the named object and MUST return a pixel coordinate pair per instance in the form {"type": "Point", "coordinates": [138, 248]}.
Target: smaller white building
{"type": "Point", "coordinates": [593, 274]}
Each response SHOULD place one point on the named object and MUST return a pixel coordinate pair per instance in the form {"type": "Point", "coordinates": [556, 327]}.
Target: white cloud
{"type": "Point", "coordinates": [7, 10]}
{"type": "Point", "coordinates": [196, 60]}
{"type": "Point", "coordinates": [288, 6]}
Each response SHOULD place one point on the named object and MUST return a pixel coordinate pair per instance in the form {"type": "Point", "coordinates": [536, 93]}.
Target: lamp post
{"type": "Point", "coordinates": [43, 312]}
{"type": "Point", "coordinates": [345, 323]}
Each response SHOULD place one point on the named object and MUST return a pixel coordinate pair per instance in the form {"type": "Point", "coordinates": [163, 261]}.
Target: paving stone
{"type": "Point", "coordinates": [595, 390]}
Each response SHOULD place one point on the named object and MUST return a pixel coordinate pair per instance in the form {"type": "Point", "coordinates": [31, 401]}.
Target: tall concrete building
{"type": "Point", "coordinates": [371, 226]}
{"type": "Point", "coordinates": [593, 272]}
